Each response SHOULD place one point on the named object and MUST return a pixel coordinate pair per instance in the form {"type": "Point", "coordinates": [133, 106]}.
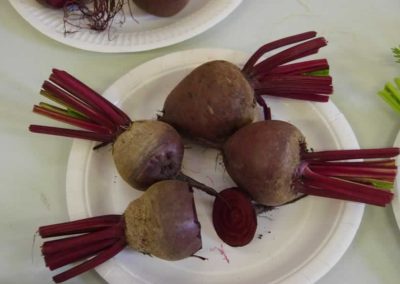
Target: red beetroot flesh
{"type": "Point", "coordinates": [269, 160]}
{"type": "Point", "coordinates": [234, 217]}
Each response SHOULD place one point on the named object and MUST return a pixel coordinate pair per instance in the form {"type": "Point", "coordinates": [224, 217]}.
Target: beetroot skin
{"type": "Point", "coordinates": [268, 175]}
{"type": "Point", "coordinates": [211, 103]}
{"type": "Point", "coordinates": [269, 160]}
{"type": "Point", "coordinates": [217, 98]}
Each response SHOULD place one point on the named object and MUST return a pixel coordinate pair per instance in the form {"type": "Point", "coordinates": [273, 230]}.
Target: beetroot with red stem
{"type": "Point", "coordinates": [162, 222]}
{"type": "Point", "coordinates": [269, 160]}
{"type": "Point", "coordinates": [217, 98]}
{"type": "Point", "coordinates": [144, 152]}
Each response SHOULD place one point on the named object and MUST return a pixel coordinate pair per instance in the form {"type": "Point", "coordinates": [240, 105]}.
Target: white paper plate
{"type": "Point", "coordinates": [148, 32]}
{"type": "Point", "coordinates": [396, 200]}
{"type": "Point", "coordinates": [294, 244]}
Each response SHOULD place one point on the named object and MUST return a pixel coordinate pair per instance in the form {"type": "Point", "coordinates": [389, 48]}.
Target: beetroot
{"type": "Point", "coordinates": [144, 152]}
{"type": "Point", "coordinates": [162, 222]}
{"type": "Point", "coordinates": [234, 217]}
{"type": "Point", "coordinates": [217, 98]}
{"type": "Point", "coordinates": [270, 160]}
{"type": "Point", "coordinates": [56, 4]}
{"type": "Point", "coordinates": [161, 8]}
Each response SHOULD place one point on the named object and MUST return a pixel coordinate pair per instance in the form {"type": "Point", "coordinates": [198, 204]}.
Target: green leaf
{"type": "Point", "coordinates": [391, 94]}
{"type": "Point", "coordinates": [396, 53]}
{"type": "Point", "coordinates": [324, 72]}
{"type": "Point", "coordinates": [385, 185]}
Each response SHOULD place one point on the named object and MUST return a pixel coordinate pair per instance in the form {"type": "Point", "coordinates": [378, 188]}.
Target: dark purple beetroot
{"type": "Point", "coordinates": [161, 8]}
{"type": "Point", "coordinates": [217, 98]}
{"type": "Point", "coordinates": [144, 152]}
{"type": "Point", "coordinates": [162, 222]}
{"type": "Point", "coordinates": [270, 161]}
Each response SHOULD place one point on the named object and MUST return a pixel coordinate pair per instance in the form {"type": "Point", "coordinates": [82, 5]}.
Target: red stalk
{"type": "Point", "coordinates": [78, 105]}
{"type": "Point", "coordinates": [336, 155]}
{"type": "Point", "coordinates": [301, 50]}
{"type": "Point", "coordinates": [79, 226]}
{"type": "Point", "coordinates": [352, 171]}
{"type": "Point", "coordinates": [90, 264]}
{"type": "Point", "coordinates": [300, 67]}
{"type": "Point", "coordinates": [81, 134]}
{"type": "Point", "coordinates": [58, 260]}
{"type": "Point", "coordinates": [101, 237]}
{"type": "Point", "coordinates": [266, 109]}
{"type": "Point", "coordinates": [272, 77]}
{"type": "Point", "coordinates": [274, 45]}
{"type": "Point", "coordinates": [103, 120]}
{"type": "Point", "coordinates": [304, 97]}
{"type": "Point", "coordinates": [360, 181]}
{"type": "Point", "coordinates": [383, 164]}
{"type": "Point", "coordinates": [85, 93]}
{"type": "Point", "coordinates": [81, 123]}
{"type": "Point", "coordinates": [320, 185]}
{"type": "Point", "coordinates": [77, 242]}
{"type": "Point", "coordinates": [296, 86]}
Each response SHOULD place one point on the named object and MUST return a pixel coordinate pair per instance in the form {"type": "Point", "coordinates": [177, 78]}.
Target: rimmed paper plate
{"type": "Point", "coordinates": [142, 32]}
{"type": "Point", "coordinates": [297, 243]}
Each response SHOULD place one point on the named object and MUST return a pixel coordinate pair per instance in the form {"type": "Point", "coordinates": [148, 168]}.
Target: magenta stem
{"type": "Point", "coordinates": [80, 134]}
{"type": "Point", "coordinates": [58, 260]}
{"type": "Point", "coordinates": [316, 184]}
{"type": "Point", "coordinates": [266, 109]}
{"type": "Point", "coordinates": [301, 50]}
{"type": "Point", "coordinates": [313, 88]}
{"type": "Point", "coordinates": [336, 155]}
{"type": "Point", "coordinates": [355, 171]}
{"type": "Point", "coordinates": [274, 45]}
{"type": "Point", "coordinates": [90, 264]}
{"type": "Point", "coordinates": [79, 226]}
{"type": "Point", "coordinates": [300, 68]}
{"type": "Point", "coordinates": [81, 123]}
{"type": "Point", "coordinates": [79, 105]}
{"type": "Point", "coordinates": [85, 93]}
{"type": "Point", "coordinates": [382, 164]}
{"type": "Point", "coordinates": [55, 246]}
{"type": "Point", "coordinates": [304, 97]}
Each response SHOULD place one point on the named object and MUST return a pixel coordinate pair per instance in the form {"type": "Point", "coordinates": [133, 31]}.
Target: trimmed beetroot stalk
{"type": "Point", "coordinates": [269, 160]}
{"type": "Point", "coordinates": [234, 217]}
{"type": "Point", "coordinates": [162, 222]}
{"type": "Point", "coordinates": [217, 98]}
{"type": "Point", "coordinates": [144, 152]}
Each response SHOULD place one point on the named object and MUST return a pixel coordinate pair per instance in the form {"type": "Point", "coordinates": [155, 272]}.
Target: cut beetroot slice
{"type": "Point", "coordinates": [234, 217]}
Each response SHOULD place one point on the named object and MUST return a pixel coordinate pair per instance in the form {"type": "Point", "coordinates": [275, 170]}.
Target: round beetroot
{"type": "Point", "coordinates": [211, 103]}
{"type": "Point", "coordinates": [161, 8]}
{"type": "Point", "coordinates": [217, 98]}
{"type": "Point", "coordinates": [144, 152]}
{"type": "Point", "coordinates": [269, 160]}
{"type": "Point", "coordinates": [162, 222]}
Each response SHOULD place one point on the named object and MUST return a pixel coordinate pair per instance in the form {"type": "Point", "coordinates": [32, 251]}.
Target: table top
{"type": "Point", "coordinates": [33, 168]}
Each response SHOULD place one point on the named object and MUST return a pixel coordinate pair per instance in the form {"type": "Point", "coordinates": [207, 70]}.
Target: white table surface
{"type": "Point", "coordinates": [33, 167]}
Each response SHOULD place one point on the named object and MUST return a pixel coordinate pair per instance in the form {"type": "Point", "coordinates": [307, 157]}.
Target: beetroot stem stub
{"type": "Point", "coordinates": [234, 217]}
